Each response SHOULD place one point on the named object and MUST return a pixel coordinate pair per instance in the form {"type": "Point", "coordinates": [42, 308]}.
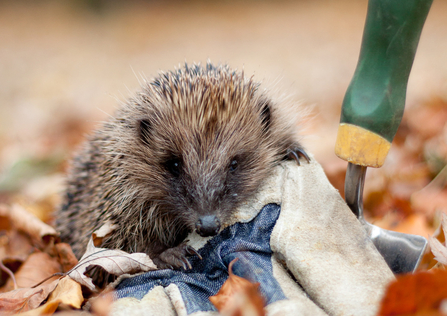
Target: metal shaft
{"type": "Point", "coordinates": [354, 183]}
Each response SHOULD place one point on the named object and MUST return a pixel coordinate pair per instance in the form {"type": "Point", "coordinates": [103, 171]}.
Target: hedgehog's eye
{"type": "Point", "coordinates": [174, 166]}
{"type": "Point", "coordinates": [233, 165]}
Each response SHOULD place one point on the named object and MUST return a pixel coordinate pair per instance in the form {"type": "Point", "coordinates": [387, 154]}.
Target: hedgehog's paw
{"type": "Point", "coordinates": [175, 258]}
{"type": "Point", "coordinates": [295, 153]}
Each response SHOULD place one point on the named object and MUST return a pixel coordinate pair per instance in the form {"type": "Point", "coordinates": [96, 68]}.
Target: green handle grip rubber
{"type": "Point", "coordinates": [374, 102]}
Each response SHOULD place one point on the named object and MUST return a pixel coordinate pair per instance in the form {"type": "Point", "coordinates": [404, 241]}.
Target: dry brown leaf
{"type": "Point", "coordinates": [99, 235]}
{"type": "Point", "coordinates": [421, 293]}
{"type": "Point", "coordinates": [67, 292]}
{"type": "Point", "coordinates": [67, 258]}
{"type": "Point", "coordinates": [46, 309]}
{"type": "Point", "coordinates": [22, 300]}
{"type": "Point", "coordinates": [15, 244]}
{"type": "Point", "coordinates": [238, 296]}
{"type": "Point", "coordinates": [36, 268]}
{"type": "Point", "coordinates": [437, 248]}
{"type": "Point", "coordinates": [115, 262]}
{"type": "Point", "coordinates": [428, 259]}
{"type": "Point", "coordinates": [28, 223]}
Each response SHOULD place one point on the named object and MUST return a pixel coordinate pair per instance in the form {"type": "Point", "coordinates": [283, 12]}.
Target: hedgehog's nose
{"type": "Point", "coordinates": [208, 225]}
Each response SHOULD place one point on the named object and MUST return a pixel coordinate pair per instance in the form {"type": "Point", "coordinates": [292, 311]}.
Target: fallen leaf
{"type": "Point", "coordinates": [37, 267]}
{"type": "Point", "coordinates": [67, 292]}
{"type": "Point", "coordinates": [22, 300]}
{"type": "Point", "coordinates": [28, 223]}
{"type": "Point", "coordinates": [115, 262]}
{"type": "Point", "coordinates": [67, 258]}
{"type": "Point", "coordinates": [420, 293]}
{"type": "Point", "coordinates": [16, 244]}
{"type": "Point", "coordinates": [45, 309]}
{"type": "Point", "coordinates": [101, 233]}
{"type": "Point", "coordinates": [437, 248]}
{"type": "Point", "coordinates": [238, 296]}
{"type": "Point", "coordinates": [428, 259]}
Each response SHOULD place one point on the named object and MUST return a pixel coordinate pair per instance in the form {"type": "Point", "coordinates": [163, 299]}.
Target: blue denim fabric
{"type": "Point", "coordinates": [250, 242]}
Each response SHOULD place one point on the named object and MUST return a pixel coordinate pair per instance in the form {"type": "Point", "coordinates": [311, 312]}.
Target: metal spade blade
{"type": "Point", "coordinates": [402, 252]}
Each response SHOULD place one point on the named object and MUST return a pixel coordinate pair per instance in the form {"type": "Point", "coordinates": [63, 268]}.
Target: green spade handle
{"type": "Point", "coordinates": [374, 102]}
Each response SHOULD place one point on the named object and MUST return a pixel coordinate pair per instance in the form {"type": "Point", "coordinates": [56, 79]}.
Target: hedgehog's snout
{"type": "Point", "coordinates": [208, 225]}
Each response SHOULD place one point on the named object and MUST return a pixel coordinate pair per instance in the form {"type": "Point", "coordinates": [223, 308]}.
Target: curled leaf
{"type": "Point", "coordinates": [67, 292]}
{"type": "Point", "coordinates": [115, 262]}
{"type": "Point", "coordinates": [101, 233]}
{"type": "Point", "coordinates": [27, 222]}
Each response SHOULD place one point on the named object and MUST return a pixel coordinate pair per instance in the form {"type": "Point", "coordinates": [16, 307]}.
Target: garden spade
{"type": "Point", "coordinates": [372, 110]}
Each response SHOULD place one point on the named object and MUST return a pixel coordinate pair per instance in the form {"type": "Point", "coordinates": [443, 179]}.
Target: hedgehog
{"type": "Point", "coordinates": [179, 156]}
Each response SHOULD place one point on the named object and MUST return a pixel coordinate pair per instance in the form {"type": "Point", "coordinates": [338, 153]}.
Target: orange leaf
{"type": "Point", "coordinates": [238, 296]}
{"type": "Point", "coordinates": [36, 268]}
{"type": "Point", "coordinates": [420, 293]}
{"type": "Point", "coordinates": [67, 259]}
{"type": "Point", "coordinates": [67, 292]}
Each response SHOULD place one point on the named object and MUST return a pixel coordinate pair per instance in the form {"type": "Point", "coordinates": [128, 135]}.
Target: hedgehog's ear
{"type": "Point", "coordinates": [266, 117]}
{"type": "Point", "coordinates": [144, 131]}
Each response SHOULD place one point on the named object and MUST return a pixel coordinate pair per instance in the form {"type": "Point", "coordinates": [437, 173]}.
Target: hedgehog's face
{"type": "Point", "coordinates": [206, 162]}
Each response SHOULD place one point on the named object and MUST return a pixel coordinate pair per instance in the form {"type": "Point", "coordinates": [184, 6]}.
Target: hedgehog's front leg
{"type": "Point", "coordinates": [175, 258]}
